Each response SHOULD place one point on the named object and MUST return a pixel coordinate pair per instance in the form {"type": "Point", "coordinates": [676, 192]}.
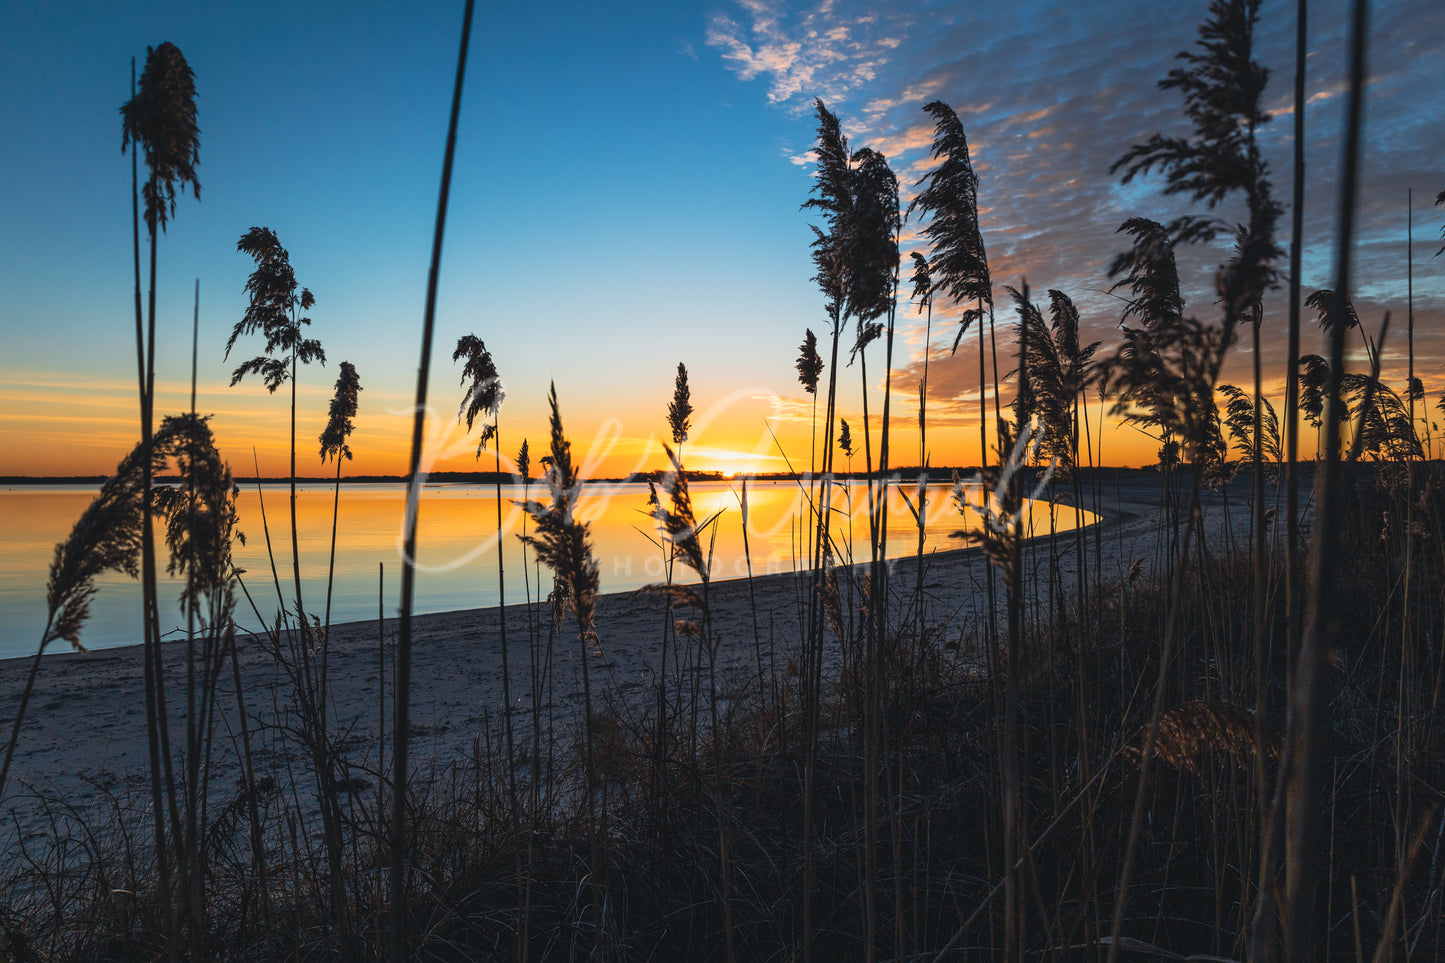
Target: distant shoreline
{"type": "Point", "coordinates": [489, 478]}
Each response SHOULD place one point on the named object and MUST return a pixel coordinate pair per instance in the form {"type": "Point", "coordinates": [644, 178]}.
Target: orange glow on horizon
{"type": "Point", "coordinates": [60, 429]}
{"type": "Point", "coordinates": [49, 436]}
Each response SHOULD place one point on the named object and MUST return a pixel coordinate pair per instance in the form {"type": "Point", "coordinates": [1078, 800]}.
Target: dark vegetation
{"type": "Point", "coordinates": [1230, 750]}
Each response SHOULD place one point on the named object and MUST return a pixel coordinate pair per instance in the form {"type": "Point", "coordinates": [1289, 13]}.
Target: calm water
{"type": "Point", "coordinates": [457, 558]}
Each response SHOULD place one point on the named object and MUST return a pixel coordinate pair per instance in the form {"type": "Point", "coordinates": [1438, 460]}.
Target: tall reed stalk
{"type": "Point", "coordinates": [398, 944]}
{"type": "Point", "coordinates": [1176, 361]}
{"type": "Point", "coordinates": [339, 427]}
{"type": "Point", "coordinates": [483, 397]}
{"type": "Point", "coordinates": [679, 527]}
{"type": "Point", "coordinates": [834, 197]}
{"type": "Point", "coordinates": [1303, 775]}
{"type": "Point", "coordinates": [161, 119]}
{"type": "Point", "coordinates": [564, 544]}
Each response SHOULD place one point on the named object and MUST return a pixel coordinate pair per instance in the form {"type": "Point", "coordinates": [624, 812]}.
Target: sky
{"type": "Point", "coordinates": [626, 197]}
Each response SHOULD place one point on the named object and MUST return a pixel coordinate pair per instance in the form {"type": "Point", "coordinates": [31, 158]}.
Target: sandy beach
{"type": "Point", "coordinates": [85, 734]}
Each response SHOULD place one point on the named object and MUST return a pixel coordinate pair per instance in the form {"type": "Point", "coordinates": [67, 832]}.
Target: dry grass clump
{"type": "Point", "coordinates": [1202, 733]}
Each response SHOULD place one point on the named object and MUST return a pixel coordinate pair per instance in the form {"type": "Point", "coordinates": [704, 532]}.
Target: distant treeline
{"type": "Point", "coordinates": [936, 474]}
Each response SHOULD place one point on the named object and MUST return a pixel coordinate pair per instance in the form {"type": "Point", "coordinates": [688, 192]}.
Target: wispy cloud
{"type": "Point", "coordinates": [823, 52]}
{"type": "Point", "coordinates": [1052, 94]}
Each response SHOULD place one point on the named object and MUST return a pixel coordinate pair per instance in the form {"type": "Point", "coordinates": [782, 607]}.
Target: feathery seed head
{"type": "Point", "coordinates": [484, 395]}
{"type": "Point", "coordinates": [561, 542]}
{"type": "Point", "coordinates": [679, 410]}
{"type": "Point", "coordinates": [524, 462]}
{"type": "Point", "coordinates": [274, 311]}
{"type": "Point", "coordinates": [677, 522]}
{"type": "Point", "coordinates": [922, 282]}
{"type": "Point", "coordinates": [958, 262]}
{"type": "Point", "coordinates": [161, 119]}
{"type": "Point", "coordinates": [343, 408]}
{"type": "Point", "coordinates": [809, 365]}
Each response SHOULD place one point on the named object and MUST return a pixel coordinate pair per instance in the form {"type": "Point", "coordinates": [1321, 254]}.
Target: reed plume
{"type": "Point", "coordinates": [484, 395]}
{"type": "Point", "coordinates": [1440, 200]}
{"type": "Point", "coordinates": [676, 520]}
{"type": "Point", "coordinates": [1058, 368]}
{"type": "Point", "coordinates": [873, 235]}
{"type": "Point", "coordinates": [923, 297]}
{"type": "Point", "coordinates": [273, 311]}
{"type": "Point", "coordinates": [1314, 378]}
{"type": "Point", "coordinates": [1151, 274]}
{"type": "Point", "coordinates": [1163, 377]}
{"type": "Point", "coordinates": [162, 120]}
{"type": "Point", "coordinates": [1384, 431]}
{"type": "Point", "coordinates": [1162, 374]}
{"type": "Point", "coordinates": [562, 542]}
{"type": "Point", "coordinates": [1241, 417]}
{"type": "Point", "coordinates": [809, 365]}
{"type": "Point", "coordinates": [200, 525]}
{"type": "Point", "coordinates": [832, 195]}
{"type": "Point", "coordinates": [343, 409]}
{"type": "Point", "coordinates": [200, 516]}
{"type": "Point", "coordinates": [1327, 309]}
{"type": "Point", "coordinates": [679, 410]}
{"type": "Point", "coordinates": [678, 525]}
{"type": "Point", "coordinates": [878, 221]}
{"type": "Point", "coordinates": [1002, 512]}
{"type": "Point", "coordinates": [106, 538]}
{"type": "Point", "coordinates": [958, 262]}
{"type": "Point", "coordinates": [1223, 90]}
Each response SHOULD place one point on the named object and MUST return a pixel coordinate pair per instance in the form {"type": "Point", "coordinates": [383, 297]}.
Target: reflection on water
{"type": "Point", "coordinates": [457, 546]}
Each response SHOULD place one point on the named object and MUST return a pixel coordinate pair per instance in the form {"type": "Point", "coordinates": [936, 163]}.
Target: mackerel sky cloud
{"type": "Point", "coordinates": [1054, 93]}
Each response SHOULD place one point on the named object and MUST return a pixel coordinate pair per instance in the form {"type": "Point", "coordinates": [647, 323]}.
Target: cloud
{"type": "Point", "coordinates": [821, 53]}
{"type": "Point", "coordinates": [1052, 95]}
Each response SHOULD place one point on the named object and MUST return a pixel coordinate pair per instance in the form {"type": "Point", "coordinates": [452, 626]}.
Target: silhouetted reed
{"type": "Point", "coordinates": [679, 410]}
{"type": "Point", "coordinates": [1241, 418]}
{"type": "Point", "coordinates": [106, 538]}
{"type": "Point", "coordinates": [339, 427]}
{"type": "Point", "coordinates": [1171, 367]}
{"type": "Point", "coordinates": [563, 543]}
{"type": "Point", "coordinates": [161, 119]}
{"type": "Point", "coordinates": [397, 942]}
{"type": "Point", "coordinates": [274, 311]}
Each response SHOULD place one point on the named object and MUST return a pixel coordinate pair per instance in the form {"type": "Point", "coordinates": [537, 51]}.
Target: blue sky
{"type": "Point", "coordinates": [626, 196]}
